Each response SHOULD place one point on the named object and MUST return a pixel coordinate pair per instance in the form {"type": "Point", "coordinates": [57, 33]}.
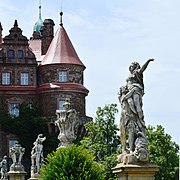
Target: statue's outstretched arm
{"type": "Point", "coordinates": [145, 65]}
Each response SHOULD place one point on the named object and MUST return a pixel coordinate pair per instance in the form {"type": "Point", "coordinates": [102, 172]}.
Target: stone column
{"type": "Point", "coordinates": [135, 172]}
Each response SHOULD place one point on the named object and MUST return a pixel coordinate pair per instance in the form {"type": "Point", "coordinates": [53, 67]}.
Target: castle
{"type": "Point", "coordinates": [44, 70]}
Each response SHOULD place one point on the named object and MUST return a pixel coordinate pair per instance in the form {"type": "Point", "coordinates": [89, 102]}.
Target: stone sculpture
{"type": "Point", "coordinates": [67, 123]}
{"type": "Point", "coordinates": [132, 122]}
{"type": "Point", "coordinates": [3, 166]}
{"type": "Point", "coordinates": [37, 156]}
{"type": "Point", "coordinates": [16, 153]}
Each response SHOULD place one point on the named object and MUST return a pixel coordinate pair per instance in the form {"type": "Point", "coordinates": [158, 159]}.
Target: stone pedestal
{"type": "Point", "coordinates": [34, 177]}
{"type": "Point", "coordinates": [17, 175]}
{"type": "Point", "coordinates": [17, 172]}
{"type": "Point", "coordinates": [135, 172]}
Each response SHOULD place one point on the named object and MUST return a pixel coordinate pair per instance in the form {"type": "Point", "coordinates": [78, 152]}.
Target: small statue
{"type": "Point", "coordinates": [37, 155]}
{"type": "Point", "coordinates": [16, 153]}
{"type": "Point", "coordinates": [132, 122]}
{"type": "Point", "coordinates": [3, 166]}
{"type": "Point", "coordinates": [67, 122]}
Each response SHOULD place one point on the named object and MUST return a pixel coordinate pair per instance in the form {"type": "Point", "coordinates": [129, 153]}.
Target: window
{"type": "Point", "coordinates": [62, 76]}
{"type": "Point", "coordinates": [12, 143]}
{"type": "Point", "coordinates": [11, 54]}
{"type": "Point", "coordinates": [14, 109]}
{"type": "Point", "coordinates": [61, 103]}
{"type": "Point", "coordinates": [20, 54]}
{"type": "Point", "coordinates": [5, 78]}
{"type": "Point", "coordinates": [24, 78]}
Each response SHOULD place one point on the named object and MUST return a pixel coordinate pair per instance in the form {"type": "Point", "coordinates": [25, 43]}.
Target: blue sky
{"type": "Point", "coordinates": [108, 35]}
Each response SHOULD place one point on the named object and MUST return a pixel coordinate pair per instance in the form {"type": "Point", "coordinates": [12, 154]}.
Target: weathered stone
{"type": "Point", "coordinates": [37, 156]}
{"type": "Point", "coordinates": [132, 122]}
{"type": "Point", "coordinates": [17, 169]}
{"type": "Point", "coordinates": [135, 172]}
{"type": "Point", "coordinates": [67, 122]}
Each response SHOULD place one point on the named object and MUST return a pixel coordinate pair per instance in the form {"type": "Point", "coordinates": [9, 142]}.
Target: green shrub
{"type": "Point", "coordinates": [71, 163]}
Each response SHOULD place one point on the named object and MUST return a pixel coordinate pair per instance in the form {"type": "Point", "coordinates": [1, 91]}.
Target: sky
{"type": "Point", "coordinates": [109, 35]}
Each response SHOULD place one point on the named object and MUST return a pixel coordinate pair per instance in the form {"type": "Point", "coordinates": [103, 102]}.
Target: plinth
{"type": "Point", "coordinates": [17, 175]}
{"type": "Point", "coordinates": [17, 172]}
{"type": "Point", "coordinates": [135, 172]}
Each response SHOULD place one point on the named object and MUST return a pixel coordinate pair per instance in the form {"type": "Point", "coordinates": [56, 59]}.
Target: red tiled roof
{"type": "Point", "coordinates": [61, 50]}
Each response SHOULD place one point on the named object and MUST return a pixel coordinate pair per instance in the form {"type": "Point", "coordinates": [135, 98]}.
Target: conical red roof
{"type": "Point", "coordinates": [61, 50]}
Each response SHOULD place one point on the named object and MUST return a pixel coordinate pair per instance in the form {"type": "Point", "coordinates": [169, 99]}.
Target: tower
{"type": "Point", "coordinates": [38, 25]}
{"type": "Point", "coordinates": [60, 76]}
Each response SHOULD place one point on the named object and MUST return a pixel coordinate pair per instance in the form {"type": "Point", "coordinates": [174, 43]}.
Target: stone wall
{"type": "Point", "coordinates": [49, 101]}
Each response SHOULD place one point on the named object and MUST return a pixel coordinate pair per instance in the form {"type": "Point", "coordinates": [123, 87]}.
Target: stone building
{"type": "Point", "coordinates": [44, 70]}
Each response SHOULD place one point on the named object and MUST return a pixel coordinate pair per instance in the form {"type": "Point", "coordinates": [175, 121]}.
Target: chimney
{"type": "Point", "coordinates": [47, 32]}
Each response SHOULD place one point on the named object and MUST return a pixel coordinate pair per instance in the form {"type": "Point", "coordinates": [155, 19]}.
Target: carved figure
{"type": "Point", "coordinates": [132, 116]}
{"type": "Point", "coordinates": [127, 125]}
{"type": "Point", "coordinates": [37, 155]}
{"type": "Point", "coordinates": [3, 166]}
{"type": "Point", "coordinates": [16, 153]}
{"type": "Point", "coordinates": [67, 122]}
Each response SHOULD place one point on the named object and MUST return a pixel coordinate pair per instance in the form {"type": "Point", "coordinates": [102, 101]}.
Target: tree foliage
{"type": "Point", "coordinates": [163, 152]}
{"type": "Point", "coordinates": [27, 126]}
{"type": "Point", "coordinates": [71, 163]}
{"type": "Point", "coordinates": [102, 139]}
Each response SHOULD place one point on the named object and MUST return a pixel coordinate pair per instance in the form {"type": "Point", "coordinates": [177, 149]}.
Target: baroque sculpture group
{"type": "Point", "coordinates": [67, 123]}
{"type": "Point", "coordinates": [132, 124]}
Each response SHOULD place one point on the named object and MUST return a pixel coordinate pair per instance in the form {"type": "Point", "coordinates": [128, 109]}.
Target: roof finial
{"type": "Point", "coordinates": [61, 14]}
{"type": "Point", "coordinates": [39, 9]}
{"type": "Point", "coordinates": [15, 23]}
{"type": "Point", "coordinates": [61, 23]}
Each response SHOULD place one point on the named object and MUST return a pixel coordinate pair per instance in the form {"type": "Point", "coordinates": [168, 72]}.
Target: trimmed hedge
{"type": "Point", "coordinates": [71, 163]}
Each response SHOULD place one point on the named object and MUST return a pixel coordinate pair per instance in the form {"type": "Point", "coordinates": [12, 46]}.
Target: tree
{"type": "Point", "coordinates": [102, 138]}
{"type": "Point", "coordinates": [71, 163]}
{"type": "Point", "coordinates": [27, 126]}
{"type": "Point", "coordinates": [163, 152]}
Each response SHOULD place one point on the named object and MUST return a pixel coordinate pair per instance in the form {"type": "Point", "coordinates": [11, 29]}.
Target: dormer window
{"type": "Point", "coordinates": [11, 54]}
{"type": "Point", "coordinates": [20, 54]}
{"type": "Point", "coordinates": [62, 76]}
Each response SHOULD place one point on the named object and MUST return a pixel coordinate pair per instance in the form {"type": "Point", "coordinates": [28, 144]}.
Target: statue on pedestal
{"type": "Point", "coordinates": [3, 166]}
{"type": "Point", "coordinates": [132, 122]}
{"type": "Point", "coordinates": [37, 156]}
{"type": "Point", "coordinates": [67, 123]}
{"type": "Point", "coordinates": [16, 153]}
